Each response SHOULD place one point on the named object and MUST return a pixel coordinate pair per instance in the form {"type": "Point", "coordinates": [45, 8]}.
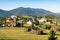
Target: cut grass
{"type": "Point", "coordinates": [19, 34]}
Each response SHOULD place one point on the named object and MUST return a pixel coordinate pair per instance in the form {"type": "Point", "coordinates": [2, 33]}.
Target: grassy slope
{"type": "Point", "coordinates": [19, 34]}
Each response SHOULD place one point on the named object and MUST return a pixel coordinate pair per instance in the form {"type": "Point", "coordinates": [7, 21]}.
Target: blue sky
{"type": "Point", "coordinates": [51, 5]}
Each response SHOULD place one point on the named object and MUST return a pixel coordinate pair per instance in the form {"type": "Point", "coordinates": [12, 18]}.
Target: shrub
{"type": "Point", "coordinates": [48, 26]}
{"type": "Point", "coordinates": [40, 32]}
{"type": "Point", "coordinates": [29, 29]}
{"type": "Point", "coordinates": [52, 35]}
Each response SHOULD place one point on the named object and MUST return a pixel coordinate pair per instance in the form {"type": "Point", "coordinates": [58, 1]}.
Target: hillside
{"type": "Point", "coordinates": [30, 12]}
{"type": "Point", "coordinates": [26, 11]}
{"type": "Point", "coordinates": [4, 13]}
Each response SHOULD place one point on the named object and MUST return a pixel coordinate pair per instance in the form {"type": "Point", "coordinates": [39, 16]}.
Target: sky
{"type": "Point", "coordinates": [51, 5]}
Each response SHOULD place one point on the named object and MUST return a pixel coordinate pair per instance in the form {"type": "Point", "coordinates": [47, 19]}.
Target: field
{"type": "Point", "coordinates": [20, 34]}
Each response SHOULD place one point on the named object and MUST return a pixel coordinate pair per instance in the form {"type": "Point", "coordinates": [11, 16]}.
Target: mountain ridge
{"type": "Point", "coordinates": [21, 11]}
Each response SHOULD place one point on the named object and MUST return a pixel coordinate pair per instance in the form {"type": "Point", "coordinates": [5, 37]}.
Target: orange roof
{"type": "Point", "coordinates": [54, 27]}
{"type": "Point", "coordinates": [27, 24]}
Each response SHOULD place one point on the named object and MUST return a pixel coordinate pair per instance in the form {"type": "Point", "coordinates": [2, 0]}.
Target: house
{"type": "Point", "coordinates": [8, 22]}
{"type": "Point", "coordinates": [13, 16]}
{"type": "Point", "coordinates": [54, 27]}
{"type": "Point", "coordinates": [47, 22]}
{"type": "Point", "coordinates": [11, 23]}
{"type": "Point", "coordinates": [29, 24]}
{"type": "Point", "coordinates": [14, 23]}
{"type": "Point", "coordinates": [20, 22]}
{"type": "Point", "coordinates": [54, 20]}
{"type": "Point", "coordinates": [42, 19]}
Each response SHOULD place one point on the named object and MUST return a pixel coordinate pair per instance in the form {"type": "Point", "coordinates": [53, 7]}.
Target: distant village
{"type": "Point", "coordinates": [44, 22]}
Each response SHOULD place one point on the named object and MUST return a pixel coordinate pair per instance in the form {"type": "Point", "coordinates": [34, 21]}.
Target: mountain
{"type": "Point", "coordinates": [4, 13]}
{"type": "Point", "coordinates": [26, 12]}
{"type": "Point", "coordinates": [30, 12]}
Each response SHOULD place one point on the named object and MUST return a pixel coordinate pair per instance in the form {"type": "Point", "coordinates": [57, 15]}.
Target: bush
{"type": "Point", "coordinates": [58, 28]}
{"type": "Point", "coordinates": [44, 26]}
{"type": "Point", "coordinates": [29, 29]}
{"type": "Point", "coordinates": [52, 35]}
{"type": "Point", "coordinates": [40, 32]}
{"type": "Point", "coordinates": [48, 26]}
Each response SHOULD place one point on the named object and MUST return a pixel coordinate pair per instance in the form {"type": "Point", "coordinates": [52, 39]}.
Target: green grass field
{"type": "Point", "coordinates": [20, 34]}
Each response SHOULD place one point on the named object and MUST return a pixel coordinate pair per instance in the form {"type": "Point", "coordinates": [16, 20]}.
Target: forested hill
{"type": "Point", "coordinates": [21, 11]}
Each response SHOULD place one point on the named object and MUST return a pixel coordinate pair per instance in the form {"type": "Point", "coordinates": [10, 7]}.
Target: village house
{"type": "Point", "coordinates": [28, 24]}
{"type": "Point", "coordinates": [8, 22]}
{"type": "Point", "coordinates": [13, 16]}
{"type": "Point", "coordinates": [42, 19]}
{"type": "Point", "coordinates": [54, 27]}
{"type": "Point", "coordinates": [54, 20]}
{"type": "Point", "coordinates": [20, 22]}
{"type": "Point", "coordinates": [11, 23]}
{"type": "Point", "coordinates": [47, 22]}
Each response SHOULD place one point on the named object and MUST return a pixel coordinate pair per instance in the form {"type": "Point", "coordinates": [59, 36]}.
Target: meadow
{"type": "Point", "coordinates": [21, 34]}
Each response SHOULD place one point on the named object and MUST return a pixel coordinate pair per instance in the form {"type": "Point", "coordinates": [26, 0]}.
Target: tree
{"type": "Point", "coordinates": [35, 18]}
{"type": "Point", "coordinates": [52, 35]}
